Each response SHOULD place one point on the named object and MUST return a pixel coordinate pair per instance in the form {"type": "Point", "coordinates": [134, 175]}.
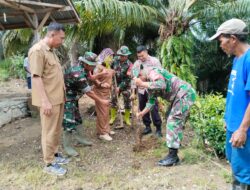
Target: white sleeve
{"type": "Point", "coordinates": [26, 62]}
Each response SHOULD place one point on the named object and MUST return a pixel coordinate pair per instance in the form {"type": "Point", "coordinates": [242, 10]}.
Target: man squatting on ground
{"type": "Point", "coordinates": [121, 66]}
{"type": "Point", "coordinates": [148, 62]}
{"type": "Point", "coordinates": [77, 84]}
{"type": "Point", "coordinates": [161, 83]}
{"type": "Point", "coordinates": [48, 95]}
{"type": "Point", "coordinates": [232, 36]}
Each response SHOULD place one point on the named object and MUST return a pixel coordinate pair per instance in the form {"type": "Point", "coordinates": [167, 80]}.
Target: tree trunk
{"type": "Point", "coordinates": [73, 52]}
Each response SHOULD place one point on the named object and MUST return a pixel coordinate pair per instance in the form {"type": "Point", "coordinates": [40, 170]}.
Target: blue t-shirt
{"type": "Point", "coordinates": [238, 96]}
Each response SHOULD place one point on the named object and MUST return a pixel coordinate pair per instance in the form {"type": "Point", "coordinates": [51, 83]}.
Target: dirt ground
{"type": "Point", "coordinates": [105, 165]}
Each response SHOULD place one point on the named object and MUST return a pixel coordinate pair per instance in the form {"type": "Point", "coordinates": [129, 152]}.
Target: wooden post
{"type": "Point", "coordinates": [35, 31]}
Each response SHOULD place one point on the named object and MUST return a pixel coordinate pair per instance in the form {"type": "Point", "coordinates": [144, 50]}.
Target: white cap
{"type": "Point", "coordinates": [232, 26]}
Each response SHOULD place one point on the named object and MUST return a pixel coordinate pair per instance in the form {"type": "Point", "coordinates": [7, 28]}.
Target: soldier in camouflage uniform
{"type": "Point", "coordinates": [77, 84]}
{"type": "Point", "coordinates": [161, 83]}
{"type": "Point", "coordinates": [122, 67]}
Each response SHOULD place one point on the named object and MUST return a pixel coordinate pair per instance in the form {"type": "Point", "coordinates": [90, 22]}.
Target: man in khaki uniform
{"type": "Point", "coordinates": [48, 95]}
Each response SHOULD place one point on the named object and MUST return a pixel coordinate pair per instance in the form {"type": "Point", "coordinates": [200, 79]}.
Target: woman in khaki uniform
{"type": "Point", "coordinates": [102, 88]}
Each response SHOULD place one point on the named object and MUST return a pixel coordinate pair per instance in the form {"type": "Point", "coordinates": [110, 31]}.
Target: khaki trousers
{"type": "Point", "coordinates": [51, 132]}
{"type": "Point", "coordinates": [102, 112]}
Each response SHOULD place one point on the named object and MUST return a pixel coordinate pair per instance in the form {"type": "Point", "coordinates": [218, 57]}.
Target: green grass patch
{"type": "Point", "coordinates": [226, 175]}
{"type": "Point", "coordinates": [4, 75]}
{"type": "Point", "coordinates": [160, 151]}
{"type": "Point", "coordinates": [192, 155]}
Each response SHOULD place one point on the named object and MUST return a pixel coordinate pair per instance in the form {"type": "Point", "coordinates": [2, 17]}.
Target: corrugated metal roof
{"type": "Point", "coordinates": [20, 13]}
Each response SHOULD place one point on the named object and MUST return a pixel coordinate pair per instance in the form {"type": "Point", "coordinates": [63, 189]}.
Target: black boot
{"type": "Point", "coordinates": [147, 130]}
{"type": "Point", "coordinates": [236, 185]}
{"type": "Point", "coordinates": [158, 133]}
{"type": "Point", "coordinates": [171, 159]}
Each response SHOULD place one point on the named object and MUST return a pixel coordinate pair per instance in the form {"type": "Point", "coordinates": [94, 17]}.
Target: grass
{"type": "Point", "coordinates": [192, 155]}
{"type": "Point", "coordinates": [226, 175]}
{"type": "Point", "coordinates": [113, 166]}
{"type": "Point", "coordinates": [160, 151]}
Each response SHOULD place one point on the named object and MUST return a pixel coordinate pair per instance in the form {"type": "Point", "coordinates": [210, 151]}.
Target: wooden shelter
{"type": "Point", "coordinates": [35, 14]}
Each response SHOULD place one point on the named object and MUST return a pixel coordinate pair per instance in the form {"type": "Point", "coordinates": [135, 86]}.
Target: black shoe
{"type": "Point", "coordinates": [147, 130]}
{"type": "Point", "coordinates": [158, 134]}
{"type": "Point", "coordinates": [171, 159]}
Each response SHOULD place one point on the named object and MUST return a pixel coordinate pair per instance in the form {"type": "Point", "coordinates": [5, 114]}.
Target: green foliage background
{"type": "Point", "coordinates": [12, 68]}
{"type": "Point", "coordinates": [206, 117]}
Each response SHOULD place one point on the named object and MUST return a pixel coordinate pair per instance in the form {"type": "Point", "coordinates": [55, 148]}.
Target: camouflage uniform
{"type": "Point", "coordinates": [76, 85]}
{"type": "Point", "coordinates": [150, 62]}
{"type": "Point", "coordinates": [179, 93]}
{"type": "Point", "coordinates": [123, 82]}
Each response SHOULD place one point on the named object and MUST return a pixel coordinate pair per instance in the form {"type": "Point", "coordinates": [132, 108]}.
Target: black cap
{"type": "Point", "coordinates": [141, 48]}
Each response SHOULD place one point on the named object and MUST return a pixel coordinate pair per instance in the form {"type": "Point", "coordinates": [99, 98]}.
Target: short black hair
{"type": "Point", "coordinates": [54, 26]}
{"type": "Point", "coordinates": [240, 37]}
{"type": "Point", "coordinates": [141, 48]}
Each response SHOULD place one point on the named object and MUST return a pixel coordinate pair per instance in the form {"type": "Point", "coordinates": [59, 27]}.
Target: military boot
{"type": "Point", "coordinates": [127, 117]}
{"type": "Point", "coordinates": [171, 159]}
{"type": "Point", "coordinates": [67, 144]}
{"type": "Point", "coordinates": [80, 138]}
{"type": "Point", "coordinates": [147, 130]}
{"type": "Point", "coordinates": [158, 132]}
{"type": "Point", "coordinates": [113, 113]}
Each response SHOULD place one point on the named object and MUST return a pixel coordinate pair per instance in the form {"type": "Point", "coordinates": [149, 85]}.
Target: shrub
{"type": "Point", "coordinates": [206, 118]}
{"type": "Point", "coordinates": [13, 66]}
{"type": "Point", "coordinates": [4, 75]}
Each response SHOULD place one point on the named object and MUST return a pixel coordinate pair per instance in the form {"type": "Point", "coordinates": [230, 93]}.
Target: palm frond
{"type": "Point", "coordinates": [104, 16]}
{"type": "Point", "coordinates": [14, 41]}
{"type": "Point", "coordinates": [177, 18]}
{"type": "Point", "coordinates": [214, 15]}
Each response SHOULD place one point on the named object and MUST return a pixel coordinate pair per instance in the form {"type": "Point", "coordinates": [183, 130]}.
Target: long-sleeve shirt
{"type": "Point", "coordinates": [165, 85]}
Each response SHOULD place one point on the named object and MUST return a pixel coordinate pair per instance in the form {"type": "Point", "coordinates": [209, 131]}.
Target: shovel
{"type": "Point", "coordinates": [138, 134]}
{"type": "Point", "coordinates": [121, 126]}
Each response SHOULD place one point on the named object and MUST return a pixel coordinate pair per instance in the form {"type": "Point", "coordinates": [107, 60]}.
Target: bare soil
{"type": "Point", "coordinates": [105, 165]}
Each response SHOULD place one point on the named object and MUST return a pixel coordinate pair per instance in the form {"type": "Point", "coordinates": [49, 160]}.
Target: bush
{"type": "Point", "coordinates": [206, 118]}
{"type": "Point", "coordinates": [13, 67]}
{"type": "Point", "coordinates": [4, 75]}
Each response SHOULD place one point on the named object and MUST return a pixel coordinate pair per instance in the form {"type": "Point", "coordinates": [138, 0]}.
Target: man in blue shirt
{"type": "Point", "coordinates": [232, 36]}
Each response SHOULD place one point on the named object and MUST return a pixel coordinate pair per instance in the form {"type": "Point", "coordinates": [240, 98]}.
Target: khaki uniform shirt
{"type": "Point", "coordinates": [45, 63]}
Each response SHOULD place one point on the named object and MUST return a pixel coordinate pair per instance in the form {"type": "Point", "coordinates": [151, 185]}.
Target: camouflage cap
{"type": "Point", "coordinates": [124, 51]}
{"type": "Point", "coordinates": [89, 58]}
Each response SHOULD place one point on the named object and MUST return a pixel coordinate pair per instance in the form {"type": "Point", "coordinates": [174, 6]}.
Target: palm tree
{"type": "Point", "coordinates": [212, 65]}
{"type": "Point", "coordinates": [176, 46]}
{"type": "Point", "coordinates": [107, 18]}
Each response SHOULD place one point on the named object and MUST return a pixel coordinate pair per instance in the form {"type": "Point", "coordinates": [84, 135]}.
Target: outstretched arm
{"type": "Point", "coordinates": [149, 105]}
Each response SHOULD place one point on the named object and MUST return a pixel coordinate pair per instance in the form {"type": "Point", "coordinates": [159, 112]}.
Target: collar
{"type": "Point", "coordinates": [46, 46]}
